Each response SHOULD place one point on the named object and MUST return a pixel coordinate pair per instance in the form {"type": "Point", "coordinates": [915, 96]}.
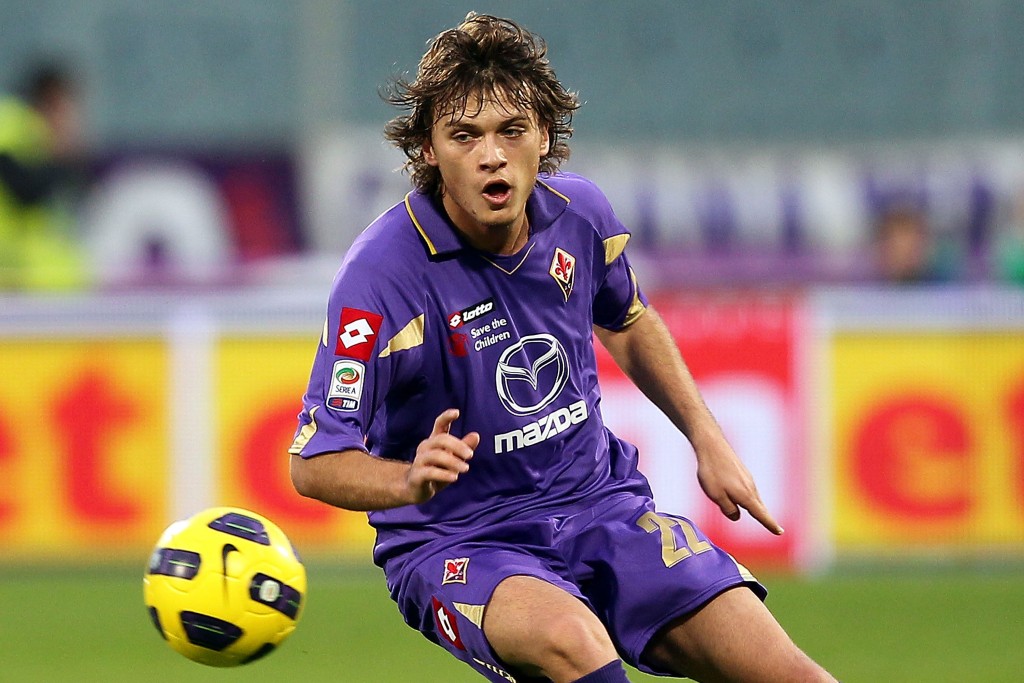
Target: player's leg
{"type": "Point", "coordinates": [542, 630]}
{"type": "Point", "coordinates": [506, 583]}
{"type": "Point", "coordinates": [732, 638]}
{"type": "Point", "coordinates": [676, 604]}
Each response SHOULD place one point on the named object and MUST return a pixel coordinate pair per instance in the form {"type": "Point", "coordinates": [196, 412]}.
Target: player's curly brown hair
{"type": "Point", "coordinates": [486, 56]}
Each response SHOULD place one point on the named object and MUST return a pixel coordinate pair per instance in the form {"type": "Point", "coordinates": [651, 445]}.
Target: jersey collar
{"type": "Point", "coordinates": [439, 236]}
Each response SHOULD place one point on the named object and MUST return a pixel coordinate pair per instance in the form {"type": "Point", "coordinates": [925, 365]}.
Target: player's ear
{"type": "Point", "coordinates": [428, 152]}
{"type": "Point", "coordinates": [545, 141]}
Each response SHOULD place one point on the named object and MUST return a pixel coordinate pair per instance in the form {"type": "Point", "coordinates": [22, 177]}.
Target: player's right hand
{"type": "Point", "coordinates": [440, 458]}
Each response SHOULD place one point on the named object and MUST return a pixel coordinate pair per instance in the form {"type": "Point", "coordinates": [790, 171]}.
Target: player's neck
{"type": "Point", "coordinates": [503, 240]}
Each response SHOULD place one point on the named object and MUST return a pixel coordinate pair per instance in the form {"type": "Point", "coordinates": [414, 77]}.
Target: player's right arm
{"type": "Point", "coordinates": [355, 480]}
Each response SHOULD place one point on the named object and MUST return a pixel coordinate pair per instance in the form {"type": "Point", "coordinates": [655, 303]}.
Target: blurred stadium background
{"type": "Point", "coordinates": [755, 149]}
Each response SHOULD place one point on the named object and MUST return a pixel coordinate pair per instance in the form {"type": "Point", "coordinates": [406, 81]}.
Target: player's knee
{"type": "Point", "coordinates": [572, 641]}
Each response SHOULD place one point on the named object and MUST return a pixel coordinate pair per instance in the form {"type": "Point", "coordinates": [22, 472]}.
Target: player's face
{"type": "Point", "coordinates": [488, 162]}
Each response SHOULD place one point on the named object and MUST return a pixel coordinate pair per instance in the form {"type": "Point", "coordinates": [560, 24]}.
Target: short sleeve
{"type": "Point", "coordinates": [352, 369]}
{"type": "Point", "coordinates": [618, 299]}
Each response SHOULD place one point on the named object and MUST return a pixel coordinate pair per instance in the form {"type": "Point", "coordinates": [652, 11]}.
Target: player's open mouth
{"type": "Point", "coordinates": [497, 192]}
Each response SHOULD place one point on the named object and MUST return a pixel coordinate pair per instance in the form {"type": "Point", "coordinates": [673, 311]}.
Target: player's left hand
{"type": "Point", "coordinates": [727, 481]}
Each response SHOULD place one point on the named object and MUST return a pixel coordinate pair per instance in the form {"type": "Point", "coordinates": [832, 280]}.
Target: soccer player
{"type": "Point", "coordinates": [454, 397]}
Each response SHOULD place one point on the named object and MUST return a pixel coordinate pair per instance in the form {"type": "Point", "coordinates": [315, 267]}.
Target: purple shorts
{"type": "Point", "coordinates": [637, 569]}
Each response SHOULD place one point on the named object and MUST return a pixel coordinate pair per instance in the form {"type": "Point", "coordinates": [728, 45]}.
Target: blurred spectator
{"type": "Point", "coordinates": [1008, 246]}
{"type": "Point", "coordinates": [41, 157]}
{"type": "Point", "coordinates": [904, 247]}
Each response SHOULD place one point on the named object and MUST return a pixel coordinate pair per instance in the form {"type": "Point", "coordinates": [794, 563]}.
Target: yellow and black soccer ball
{"type": "Point", "coordinates": [225, 586]}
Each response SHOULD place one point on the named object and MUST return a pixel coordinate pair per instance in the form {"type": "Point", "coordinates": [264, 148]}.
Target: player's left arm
{"type": "Point", "coordinates": [647, 353]}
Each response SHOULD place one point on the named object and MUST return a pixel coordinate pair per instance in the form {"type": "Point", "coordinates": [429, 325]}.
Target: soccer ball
{"type": "Point", "coordinates": [224, 587]}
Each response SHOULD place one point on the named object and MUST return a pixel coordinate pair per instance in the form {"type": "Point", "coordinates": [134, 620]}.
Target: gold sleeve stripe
{"type": "Point", "coordinates": [637, 308]}
{"type": "Point", "coordinates": [410, 337]}
{"type": "Point", "coordinates": [614, 246]}
{"type": "Point", "coordinates": [305, 434]}
{"type": "Point", "coordinates": [423, 234]}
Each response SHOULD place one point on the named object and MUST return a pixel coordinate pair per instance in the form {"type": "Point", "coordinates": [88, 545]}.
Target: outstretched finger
{"type": "Point", "coordinates": [444, 421]}
{"type": "Point", "coordinates": [759, 512]}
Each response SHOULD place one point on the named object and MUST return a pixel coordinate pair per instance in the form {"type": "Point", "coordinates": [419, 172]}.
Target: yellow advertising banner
{"type": "Point", "coordinates": [928, 439]}
{"type": "Point", "coordinates": [87, 445]}
{"type": "Point", "coordinates": [83, 446]}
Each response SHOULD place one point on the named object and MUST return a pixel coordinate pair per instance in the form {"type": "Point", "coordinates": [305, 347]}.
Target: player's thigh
{"type": "Point", "coordinates": [446, 595]}
{"type": "Point", "coordinates": [642, 569]}
{"type": "Point", "coordinates": [731, 638]}
{"type": "Point", "coordinates": [541, 629]}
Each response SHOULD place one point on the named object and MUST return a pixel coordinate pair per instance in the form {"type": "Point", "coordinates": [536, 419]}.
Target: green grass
{"type": "Point", "coordinates": [900, 626]}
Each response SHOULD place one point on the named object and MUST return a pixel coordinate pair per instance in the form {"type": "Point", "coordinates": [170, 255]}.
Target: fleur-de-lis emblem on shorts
{"type": "Point", "coordinates": [563, 270]}
{"type": "Point", "coordinates": [455, 570]}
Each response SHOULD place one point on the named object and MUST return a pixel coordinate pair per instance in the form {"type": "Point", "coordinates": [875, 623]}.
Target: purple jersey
{"type": "Point", "coordinates": [418, 321]}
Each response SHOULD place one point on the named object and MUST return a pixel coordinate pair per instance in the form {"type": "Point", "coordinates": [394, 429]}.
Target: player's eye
{"type": "Point", "coordinates": [462, 136]}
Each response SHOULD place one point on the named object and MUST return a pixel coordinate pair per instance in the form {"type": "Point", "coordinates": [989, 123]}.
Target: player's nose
{"type": "Point", "coordinates": [492, 153]}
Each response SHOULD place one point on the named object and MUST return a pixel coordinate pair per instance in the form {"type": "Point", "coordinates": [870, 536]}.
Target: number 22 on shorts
{"type": "Point", "coordinates": [671, 553]}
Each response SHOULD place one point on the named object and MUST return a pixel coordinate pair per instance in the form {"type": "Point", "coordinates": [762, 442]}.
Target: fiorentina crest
{"type": "Point", "coordinates": [563, 270]}
{"type": "Point", "coordinates": [455, 570]}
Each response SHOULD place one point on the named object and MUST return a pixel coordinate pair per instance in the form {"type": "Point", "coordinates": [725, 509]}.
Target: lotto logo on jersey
{"type": "Point", "coordinates": [357, 333]}
{"type": "Point", "coordinates": [455, 570]}
{"type": "Point", "coordinates": [471, 313]}
{"type": "Point", "coordinates": [447, 626]}
{"type": "Point", "coordinates": [346, 385]}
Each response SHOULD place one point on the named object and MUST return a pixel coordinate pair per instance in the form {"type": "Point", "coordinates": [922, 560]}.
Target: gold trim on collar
{"type": "Point", "coordinates": [518, 265]}
{"type": "Point", "coordinates": [411, 336]}
{"type": "Point", "coordinates": [419, 228]}
{"type": "Point", "coordinates": [554, 191]}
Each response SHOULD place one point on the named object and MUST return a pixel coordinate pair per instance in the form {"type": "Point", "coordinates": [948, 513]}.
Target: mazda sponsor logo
{"type": "Point", "coordinates": [547, 427]}
{"type": "Point", "coordinates": [531, 374]}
